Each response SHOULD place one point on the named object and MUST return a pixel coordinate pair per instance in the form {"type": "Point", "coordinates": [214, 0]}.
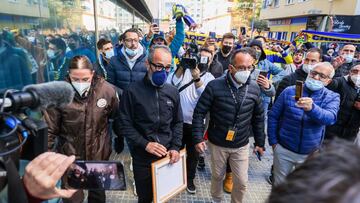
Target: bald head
{"type": "Point", "coordinates": [160, 56]}
{"type": "Point", "coordinates": [326, 67]}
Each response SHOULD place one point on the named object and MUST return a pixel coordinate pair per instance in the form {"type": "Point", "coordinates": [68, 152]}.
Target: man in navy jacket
{"type": "Point", "coordinates": [128, 64]}
{"type": "Point", "coordinates": [296, 128]}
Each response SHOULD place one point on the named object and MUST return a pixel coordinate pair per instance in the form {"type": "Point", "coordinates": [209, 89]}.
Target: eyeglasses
{"type": "Point", "coordinates": [322, 77]}
{"type": "Point", "coordinates": [132, 40]}
{"type": "Point", "coordinates": [354, 71]}
{"type": "Point", "coordinates": [160, 67]}
{"type": "Point", "coordinates": [243, 68]}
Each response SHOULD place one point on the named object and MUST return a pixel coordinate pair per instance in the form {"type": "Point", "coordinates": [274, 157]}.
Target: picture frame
{"type": "Point", "coordinates": [168, 180]}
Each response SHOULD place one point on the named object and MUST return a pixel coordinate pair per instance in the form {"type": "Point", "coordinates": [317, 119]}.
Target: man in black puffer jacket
{"type": "Point", "coordinates": [151, 119]}
{"type": "Point", "coordinates": [348, 120]}
{"type": "Point", "coordinates": [235, 108]}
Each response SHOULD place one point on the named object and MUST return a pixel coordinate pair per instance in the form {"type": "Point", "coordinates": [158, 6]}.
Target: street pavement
{"type": "Point", "coordinates": [257, 192]}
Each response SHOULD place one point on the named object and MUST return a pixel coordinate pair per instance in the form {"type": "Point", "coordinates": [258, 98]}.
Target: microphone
{"type": "Point", "coordinates": [44, 95]}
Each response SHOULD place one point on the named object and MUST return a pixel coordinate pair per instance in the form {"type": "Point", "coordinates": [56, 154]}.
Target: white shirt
{"type": "Point", "coordinates": [190, 95]}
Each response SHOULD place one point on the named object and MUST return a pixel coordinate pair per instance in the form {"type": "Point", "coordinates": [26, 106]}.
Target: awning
{"type": "Point", "coordinates": [141, 7]}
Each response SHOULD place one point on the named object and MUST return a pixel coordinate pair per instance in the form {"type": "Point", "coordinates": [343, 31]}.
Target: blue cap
{"type": "Point", "coordinates": [159, 35]}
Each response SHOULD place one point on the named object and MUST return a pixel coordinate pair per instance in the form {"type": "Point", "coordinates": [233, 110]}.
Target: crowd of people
{"type": "Point", "coordinates": [162, 94]}
{"type": "Point", "coordinates": [99, 179]}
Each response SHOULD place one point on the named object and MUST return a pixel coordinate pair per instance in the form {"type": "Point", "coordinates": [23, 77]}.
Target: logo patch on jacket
{"type": "Point", "coordinates": [101, 103]}
{"type": "Point", "coordinates": [169, 103]}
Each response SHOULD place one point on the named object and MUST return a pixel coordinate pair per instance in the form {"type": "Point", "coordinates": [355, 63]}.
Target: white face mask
{"type": "Point", "coordinates": [356, 80]}
{"type": "Point", "coordinates": [348, 58]}
{"type": "Point", "coordinates": [242, 76]}
{"type": "Point", "coordinates": [307, 68]}
{"type": "Point", "coordinates": [51, 53]}
{"type": "Point", "coordinates": [81, 87]}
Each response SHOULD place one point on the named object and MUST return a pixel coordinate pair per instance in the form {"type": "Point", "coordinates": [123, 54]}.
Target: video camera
{"type": "Point", "coordinates": [22, 136]}
{"type": "Point", "coordinates": [191, 57]}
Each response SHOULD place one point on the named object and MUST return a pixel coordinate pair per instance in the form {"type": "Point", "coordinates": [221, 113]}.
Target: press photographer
{"type": "Point", "coordinates": [191, 78]}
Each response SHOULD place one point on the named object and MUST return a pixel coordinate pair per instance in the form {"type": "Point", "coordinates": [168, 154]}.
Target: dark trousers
{"type": "Point", "coordinates": [192, 155]}
{"type": "Point", "coordinates": [142, 173]}
{"type": "Point", "coordinates": [96, 196]}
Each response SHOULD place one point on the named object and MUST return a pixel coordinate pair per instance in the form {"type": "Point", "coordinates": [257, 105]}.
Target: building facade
{"type": "Point", "coordinates": [72, 15]}
{"type": "Point", "coordinates": [287, 17]}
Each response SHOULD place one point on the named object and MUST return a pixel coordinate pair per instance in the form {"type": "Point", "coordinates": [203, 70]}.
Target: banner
{"type": "Point", "coordinates": [278, 41]}
{"type": "Point", "coordinates": [199, 38]}
{"type": "Point", "coordinates": [314, 36]}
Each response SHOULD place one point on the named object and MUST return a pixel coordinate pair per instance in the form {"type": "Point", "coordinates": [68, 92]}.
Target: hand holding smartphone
{"type": "Point", "coordinates": [264, 73]}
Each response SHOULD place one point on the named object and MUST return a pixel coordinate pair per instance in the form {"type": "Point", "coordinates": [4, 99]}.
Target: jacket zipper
{"type": "Point", "coordinates": [301, 133]}
{"type": "Point", "coordinates": [158, 116]}
{"type": "Point", "coordinates": [86, 103]}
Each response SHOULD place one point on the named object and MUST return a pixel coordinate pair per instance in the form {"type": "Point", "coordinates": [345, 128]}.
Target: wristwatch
{"type": "Point", "coordinates": [196, 80]}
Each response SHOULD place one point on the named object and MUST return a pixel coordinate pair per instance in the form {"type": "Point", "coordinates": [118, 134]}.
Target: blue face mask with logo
{"type": "Point", "coordinates": [130, 52]}
{"type": "Point", "coordinates": [158, 78]}
{"type": "Point", "coordinates": [313, 85]}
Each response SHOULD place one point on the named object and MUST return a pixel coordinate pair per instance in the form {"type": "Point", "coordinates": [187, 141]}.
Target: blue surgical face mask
{"type": "Point", "coordinates": [109, 54]}
{"type": "Point", "coordinates": [130, 52]}
{"type": "Point", "coordinates": [158, 78]}
{"type": "Point", "coordinates": [313, 85]}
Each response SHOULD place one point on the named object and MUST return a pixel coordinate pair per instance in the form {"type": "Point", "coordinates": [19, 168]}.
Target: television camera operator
{"type": "Point", "coordinates": [23, 137]}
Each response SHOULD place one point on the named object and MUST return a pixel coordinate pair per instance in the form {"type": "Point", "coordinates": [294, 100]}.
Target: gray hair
{"type": "Point", "coordinates": [155, 47]}
{"type": "Point", "coordinates": [328, 65]}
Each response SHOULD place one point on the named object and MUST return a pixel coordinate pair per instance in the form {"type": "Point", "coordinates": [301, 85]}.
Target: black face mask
{"type": "Point", "coordinates": [72, 46]}
{"type": "Point", "coordinates": [203, 67]}
{"type": "Point", "coordinates": [226, 49]}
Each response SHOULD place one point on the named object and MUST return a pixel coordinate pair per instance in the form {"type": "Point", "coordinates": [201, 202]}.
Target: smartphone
{"type": "Point", "coordinates": [243, 31]}
{"type": "Point", "coordinates": [299, 89]}
{"type": "Point", "coordinates": [263, 73]}
{"type": "Point", "coordinates": [212, 35]}
{"type": "Point", "coordinates": [95, 175]}
{"type": "Point", "coordinates": [257, 154]}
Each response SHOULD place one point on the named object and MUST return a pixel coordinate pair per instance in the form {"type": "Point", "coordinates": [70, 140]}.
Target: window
{"type": "Point", "coordinates": [289, 2]}
{"type": "Point", "coordinates": [293, 35]}
{"type": "Point", "coordinates": [284, 36]}
{"type": "Point", "coordinates": [278, 35]}
{"type": "Point", "coordinates": [270, 35]}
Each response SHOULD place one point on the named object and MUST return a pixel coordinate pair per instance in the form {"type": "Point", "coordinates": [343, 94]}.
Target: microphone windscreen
{"type": "Point", "coordinates": [52, 94]}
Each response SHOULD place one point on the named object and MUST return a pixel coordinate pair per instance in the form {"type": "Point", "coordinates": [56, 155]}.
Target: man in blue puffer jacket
{"type": "Point", "coordinates": [296, 128]}
{"type": "Point", "coordinates": [128, 64]}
